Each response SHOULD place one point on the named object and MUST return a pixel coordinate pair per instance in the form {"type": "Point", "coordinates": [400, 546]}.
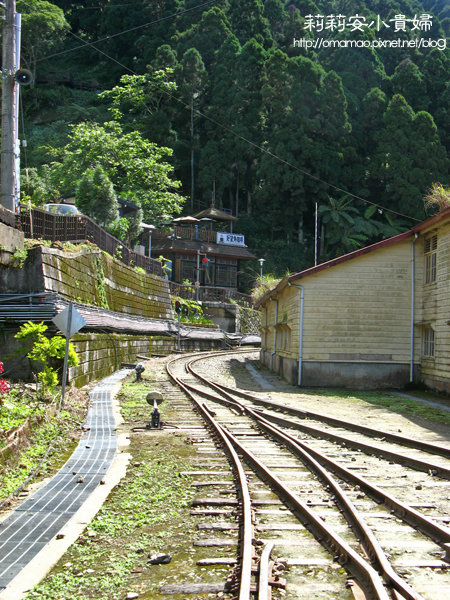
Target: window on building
{"type": "Point", "coordinates": [283, 337]}
{"type": "Point", "coordinates": [226, 275]}
{"type": "Point", "coordinates": [187, 270]}
{"type": "Point", "coordinates": [430, 249]}
{"type": "Point", "coordinates": [428, 341]}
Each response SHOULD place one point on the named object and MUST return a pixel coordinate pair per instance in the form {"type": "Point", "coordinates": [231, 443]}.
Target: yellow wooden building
{"type": "Point", "coordinates": [377, 317]}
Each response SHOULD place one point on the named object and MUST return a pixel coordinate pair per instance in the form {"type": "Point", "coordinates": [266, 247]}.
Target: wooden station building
{"type": "Point", "coordinates": [198, 252]}
{"type": "Point", "coordinates": [377, 317]}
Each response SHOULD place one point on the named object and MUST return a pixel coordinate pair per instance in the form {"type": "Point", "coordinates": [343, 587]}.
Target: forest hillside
{"type": "Point", "coordinates": [171, 104]}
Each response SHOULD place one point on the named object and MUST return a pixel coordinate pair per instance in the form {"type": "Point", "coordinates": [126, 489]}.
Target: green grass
{"type": "Point", "coordinates": [147, 512]}
{"type": "Point", "coordinates": [132, 399]}
{"type": "Point", "coordinates": [137, 519]}
{"type": "Point", "coordinates": [14, 412]}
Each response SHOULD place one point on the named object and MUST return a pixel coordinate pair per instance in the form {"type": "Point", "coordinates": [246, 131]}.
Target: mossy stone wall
{"type": "Point", "coordinates": [249, 320]}
{"type": "Point", "coordinates": [93, 277]}
{"type": "Point", "coordinates": [101, 354]}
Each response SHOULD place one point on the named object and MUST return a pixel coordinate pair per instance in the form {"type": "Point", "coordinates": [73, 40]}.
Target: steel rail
{"type": "Point", "coordinates": [369, 542]}
{"type": "Point", "coordinates": [437, 449]}
{"type": "Point", "coordinates": [366, 575]}
{"type": "Point", "coordinates": [435, 531]}
{"type": "Point", "coordinates": [359, 567]}
{"type": "Point", "coordinates": [264, 590]}
{"type": "Point", "coordinates": [247, 529]}
{"type": "Point", "coordinates": [410, 461]}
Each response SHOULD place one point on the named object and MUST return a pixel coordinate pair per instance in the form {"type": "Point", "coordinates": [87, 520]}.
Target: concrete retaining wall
{"type": "Point", "coordinates": [94, 278]}
{"type": "Point", "coordinates": [100, 354]}
{"type": "Point", "coordinates": [353, 375]}
{"type": "Point", "coordinates": [10, 240]}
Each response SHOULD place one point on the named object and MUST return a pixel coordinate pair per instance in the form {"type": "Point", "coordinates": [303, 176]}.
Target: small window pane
{"type": "Point", "coordinates": [428, 341]}
{"type": "Point", "coordinates": [430, 249]}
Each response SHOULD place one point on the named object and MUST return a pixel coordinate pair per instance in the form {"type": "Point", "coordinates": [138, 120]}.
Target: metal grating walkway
{"type": "Point", "coordinates": [26, 531]}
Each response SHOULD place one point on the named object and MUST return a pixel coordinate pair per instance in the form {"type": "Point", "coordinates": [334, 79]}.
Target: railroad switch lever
{"type": "Point", "coordinates": [155, 422]}
{"type": "Point", "coordinates": [152, 398]}
{"type": "Point", "coordinates": [139, 368]}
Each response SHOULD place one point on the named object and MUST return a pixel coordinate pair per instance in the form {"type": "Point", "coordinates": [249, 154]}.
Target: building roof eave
{"type": "Point", "coordinates": [432, 220]}
{"type": "Point", "coordinates": [209, 248]}
{"type": "Point", "coordinates": [289, 280]}
{"type": "Point", "coordinates": [280, 286]}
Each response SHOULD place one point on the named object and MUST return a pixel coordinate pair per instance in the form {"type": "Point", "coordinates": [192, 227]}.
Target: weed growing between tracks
{"type": "Point", "coordinates": [148, 512]}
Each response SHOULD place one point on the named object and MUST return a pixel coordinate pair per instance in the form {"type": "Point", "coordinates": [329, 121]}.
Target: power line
{"type": "Point", "coordinates": [125, 31]}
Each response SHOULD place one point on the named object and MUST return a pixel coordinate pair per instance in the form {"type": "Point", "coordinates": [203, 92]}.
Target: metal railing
{"type": "Point", "coordinates": [209, 294]}
{"type": "Point", "coordinates": [41, 224]}
{"type": "Point", "coordinates": [192, 233]}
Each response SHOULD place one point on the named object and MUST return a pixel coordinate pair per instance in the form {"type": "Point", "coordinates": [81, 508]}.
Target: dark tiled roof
{"type": "Point", "coordinates": [215, 213]}
{"type": "Point", "coordinates": [191, 247]}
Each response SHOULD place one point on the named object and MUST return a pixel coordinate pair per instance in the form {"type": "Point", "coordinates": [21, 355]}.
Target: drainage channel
{"type": "Point", "coordinates": [38, 520]}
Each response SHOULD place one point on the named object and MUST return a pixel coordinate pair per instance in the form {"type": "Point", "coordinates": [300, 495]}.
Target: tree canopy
{"type": "Point", "coordinates": [272, 127]}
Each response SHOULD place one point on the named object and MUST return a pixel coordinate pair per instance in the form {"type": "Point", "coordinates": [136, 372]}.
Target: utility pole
{"type": "Point", "coordinates": [192, 152]}
{"type": "Point", "coordinates": [9, 186]}
{"type": "Point", "coordinates": [315, 234]}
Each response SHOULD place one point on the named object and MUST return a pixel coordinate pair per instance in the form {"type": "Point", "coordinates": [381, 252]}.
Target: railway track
{"type": "Point", "coordinates": [328, 508]}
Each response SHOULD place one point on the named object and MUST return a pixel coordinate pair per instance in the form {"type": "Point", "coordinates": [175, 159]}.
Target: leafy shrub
{"type": "Point", "coordinates": [191, 311]}
{"type": "Point", "coordinates": [263, 285]}
{"type": "Point", "coordinates": [49, 352]}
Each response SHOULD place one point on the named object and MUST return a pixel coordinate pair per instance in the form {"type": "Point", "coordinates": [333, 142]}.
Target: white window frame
{"type": "Point", "coordinates": [429, 342]}
{"type": "Point", "coordinates": [430, 252]}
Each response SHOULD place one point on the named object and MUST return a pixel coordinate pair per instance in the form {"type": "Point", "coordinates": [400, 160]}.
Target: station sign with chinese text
{"type": "Point", "coordinates": [230, 239]}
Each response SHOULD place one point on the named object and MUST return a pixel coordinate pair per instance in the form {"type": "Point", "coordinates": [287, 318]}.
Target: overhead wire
{"type": "Point", "coordinates": [222, 125]}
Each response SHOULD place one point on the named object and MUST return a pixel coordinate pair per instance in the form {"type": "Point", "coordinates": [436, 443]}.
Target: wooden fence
{"type": "Point", "coordinates": [42, 224]}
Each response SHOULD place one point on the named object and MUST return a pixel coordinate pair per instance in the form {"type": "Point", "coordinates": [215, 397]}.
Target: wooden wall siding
{"type": "Point", "coordinates": [436, 312]}
{"type": "Point", "coordinates": [356, 311]}
{"type": "Point", "coordinates": [93, 277]}
{"type": "Point", "coordinates": [360, 310]}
